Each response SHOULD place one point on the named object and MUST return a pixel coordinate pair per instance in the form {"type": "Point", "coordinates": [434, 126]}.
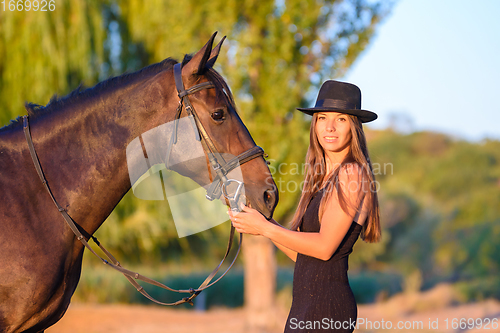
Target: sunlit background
{"type": "Point", "coordinates": [428, 68]}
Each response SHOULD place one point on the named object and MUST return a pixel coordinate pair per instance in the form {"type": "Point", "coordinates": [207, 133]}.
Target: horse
{"type": "Point", "coordinates": [81, 141]}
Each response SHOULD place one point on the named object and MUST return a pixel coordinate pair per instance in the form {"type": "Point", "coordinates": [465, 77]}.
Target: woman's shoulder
{"type": "Point", "coordinates": [351, 170]}
{"type": "Point", "coordinates": [353, 181]}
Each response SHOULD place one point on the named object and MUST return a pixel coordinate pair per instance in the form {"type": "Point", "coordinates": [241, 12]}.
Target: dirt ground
{"type": "Point", "coordinates": [87, 318]}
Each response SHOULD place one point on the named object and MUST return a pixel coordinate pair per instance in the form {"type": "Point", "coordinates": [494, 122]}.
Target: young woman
{"type": "Point", "coordinates": [338, 203]}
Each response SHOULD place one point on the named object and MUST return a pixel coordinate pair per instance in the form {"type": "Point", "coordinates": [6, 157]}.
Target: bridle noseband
{"type": "Point", "coordinates": [216, 189]}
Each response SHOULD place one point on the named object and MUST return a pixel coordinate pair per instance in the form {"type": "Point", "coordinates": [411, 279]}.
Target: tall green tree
{"type": "Point", "coordinates": [42, 53]}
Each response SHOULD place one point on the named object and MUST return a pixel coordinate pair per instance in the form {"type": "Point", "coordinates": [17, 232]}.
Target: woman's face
{"type": "Point", "coordinates": [333, 131]}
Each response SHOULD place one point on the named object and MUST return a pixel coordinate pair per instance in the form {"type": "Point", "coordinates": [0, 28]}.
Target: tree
{"type": "Point", "coordinates": [42, 53]}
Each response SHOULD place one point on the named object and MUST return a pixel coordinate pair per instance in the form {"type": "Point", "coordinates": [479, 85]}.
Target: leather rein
{"type": "Point", "coordinates": [215, 190]}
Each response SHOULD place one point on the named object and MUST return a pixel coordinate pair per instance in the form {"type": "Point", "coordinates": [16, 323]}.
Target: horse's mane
{"type": "Point", "coordinates": [82, 94]}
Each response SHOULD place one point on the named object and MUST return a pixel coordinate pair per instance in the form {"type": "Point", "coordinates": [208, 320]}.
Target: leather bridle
{"type": "Point", "coordinates": [218, 187]}
{"type": "Point", "coordinates": [216, 161]}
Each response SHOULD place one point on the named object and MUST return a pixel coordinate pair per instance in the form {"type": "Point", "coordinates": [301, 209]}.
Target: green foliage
{"type": "Point", "coordinates": [439, 208]}
{"type": "Point", "coordinates": [479, 289]}
{"type": "Point", "coordinates": [368, 286]}
{"type": "Point", "coordinates": [42, 53]}
{"type": "Point", "coordinates": [104, 285]}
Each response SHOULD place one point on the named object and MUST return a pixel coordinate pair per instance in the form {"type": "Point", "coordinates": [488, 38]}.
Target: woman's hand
{"type": "Point", "coordinates": [248, 221]}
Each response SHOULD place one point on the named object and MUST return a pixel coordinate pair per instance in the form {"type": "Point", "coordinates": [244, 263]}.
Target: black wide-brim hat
{"type": "Point", "coordinates": [343, 97]}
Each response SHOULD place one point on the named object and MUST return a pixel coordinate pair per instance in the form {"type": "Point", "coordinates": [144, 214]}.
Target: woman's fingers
{"type": "Point", "coordinates": [236, 221]}
{"type": "Point", "coordinates": [241, 220]}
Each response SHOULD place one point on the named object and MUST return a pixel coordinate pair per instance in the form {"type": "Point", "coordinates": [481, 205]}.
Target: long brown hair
{"type": "Point", "coordinates": [316, 174]}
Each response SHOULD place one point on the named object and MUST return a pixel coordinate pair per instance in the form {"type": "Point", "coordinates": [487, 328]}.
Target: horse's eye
{"type": "Point", "coordinates": [218, 115]}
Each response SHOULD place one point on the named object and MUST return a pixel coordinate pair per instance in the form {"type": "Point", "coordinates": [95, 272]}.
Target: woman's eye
{"type": "Point", "coordinates": [218, 115]}
{"type": "Point", "coordinates": [342, 119]}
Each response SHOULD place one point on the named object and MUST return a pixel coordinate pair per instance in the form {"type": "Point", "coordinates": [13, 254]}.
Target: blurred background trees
{"type": "Point", "coordinates": [439, 195]}
{"type": "Point", "coordinates": [42, 53]}
{"type": "Point", "coordinates": [276, 56]}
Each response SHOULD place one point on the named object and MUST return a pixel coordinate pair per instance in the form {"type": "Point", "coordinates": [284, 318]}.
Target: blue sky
{"type": "Point", "coordinates": [435, 65]}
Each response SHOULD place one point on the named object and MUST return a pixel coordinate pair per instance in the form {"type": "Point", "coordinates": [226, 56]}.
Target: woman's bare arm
{"type": "Point", "coordinates": [334, 224]}
{"type": "Point", "coordinates": [290, 253]}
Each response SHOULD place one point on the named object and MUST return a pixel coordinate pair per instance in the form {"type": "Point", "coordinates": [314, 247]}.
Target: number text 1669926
{"type": "Point", "coordinates": [28, 5]}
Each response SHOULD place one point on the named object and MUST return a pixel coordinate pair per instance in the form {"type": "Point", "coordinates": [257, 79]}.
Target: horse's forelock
{"type": "Point", "coordinates": [221, 87]}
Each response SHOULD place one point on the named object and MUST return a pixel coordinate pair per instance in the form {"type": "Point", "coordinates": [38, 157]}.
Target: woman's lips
{"type": "Point", "coordinates": [330, 138]}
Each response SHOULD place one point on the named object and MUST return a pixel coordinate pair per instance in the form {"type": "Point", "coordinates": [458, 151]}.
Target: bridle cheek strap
{"type": "Point", "coordinates": [216, 161]}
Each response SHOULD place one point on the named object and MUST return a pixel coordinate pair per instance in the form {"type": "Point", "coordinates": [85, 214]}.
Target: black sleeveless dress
{"type": "Point", "coordinates": [322, 298]}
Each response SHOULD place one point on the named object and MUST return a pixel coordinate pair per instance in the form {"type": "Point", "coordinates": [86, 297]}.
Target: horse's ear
{"type": "Point", "coordinates": [197, 64]}
{"type": "Point", "coordinates": [214, 54]}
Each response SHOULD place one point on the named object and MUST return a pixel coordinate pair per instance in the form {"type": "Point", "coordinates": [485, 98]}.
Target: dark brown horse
{"type": "Point", "coordinates": [81, 142]}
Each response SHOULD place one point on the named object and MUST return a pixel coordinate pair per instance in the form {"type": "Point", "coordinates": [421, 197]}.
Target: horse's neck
{"type": "Point", "coordinates": [83, 151]}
